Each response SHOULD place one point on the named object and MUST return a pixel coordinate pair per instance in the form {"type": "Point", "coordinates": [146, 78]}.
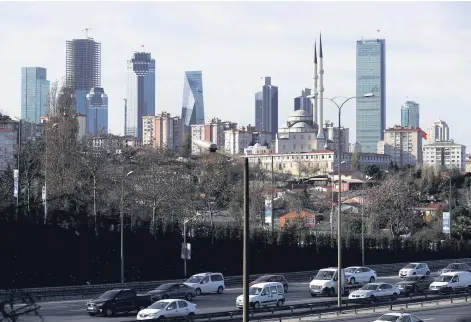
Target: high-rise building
{"type": "Point", "coordinates": [212, 131]}
{"type": "Point", "coordinates": [163, 131]}
{"type": "Point", "coordinates": [445, 155]}
{"type": "Point", "coordinates": [370, 79]}
{"type": "Point", "coordinates": [193, 104]}
{"type": "Point", "coordinates": [438, 131]}
{"type": "Point", "coordinates": [83, 69]}
{"type": "Point", "coordinates": [140, 92]}
{"type": "Point", "coordinates": [97, 112]}
{"type": "Point", "coordinates": [333, 137]}
{"type": "Point", "coordinates": [303, 102]}
{"type": "Point", "coordinates": [403, 144]}
{"type": "Point", "coordinates": [34, 93]}
{"type": "Point", "coordinates": [266, 108]}
{"type": "Point", "coordinates": [410, 114]}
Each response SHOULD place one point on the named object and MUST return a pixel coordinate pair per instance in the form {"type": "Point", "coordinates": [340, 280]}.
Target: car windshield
{"type": "Point", "coordinates": [369, 287]}
{"type": "Point", "coordinates": [410, 266]}
{"type": "Point", "coordinates": [444, 278]}
{"type": "Point", "coordinates": [351, 269]}
{"type": "Point", "coordinates": [453, 266]}
{"type": "Point", "coordinates": [324, 275]}
{"type": "Point", "coordinates": [195, 279]}
{"type": "Point", "coordinates": [388, 317]}
{"type": "Point", "coordinates": [262, 279]}
{"type": "Point", "coordinates": [412, 278]}
{"type": "Point", "coordinates": [159, 305]}
{"type": "Point", "coordinates": [164, 287]}
{"type": "Point", "coordinates": [255, 290]}
{"type": "Point", "coordinates": [108, 295]}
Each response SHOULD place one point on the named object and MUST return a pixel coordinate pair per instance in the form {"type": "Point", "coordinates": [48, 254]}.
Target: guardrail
{"type": "Point", "coordinates": [67, 292]}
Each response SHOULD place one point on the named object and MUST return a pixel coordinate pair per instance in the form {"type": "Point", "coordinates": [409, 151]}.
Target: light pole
{"type": "Point", "coordinates": [449, 207]}
{"type": "Point", "coordinates": [332, 204]}
{"type": "Point", "coordinates": [45, 174]}
{"type": "Point", "coordinates": [363, 225]}
{"type": "Point", "coordinates": [339, 218]}
{"type": "Point", "coordinates": [18, 162]}
{"type": "Point", "coordinates": [185, 253]}
{"type": "Point", "coordinates": [122, 225]}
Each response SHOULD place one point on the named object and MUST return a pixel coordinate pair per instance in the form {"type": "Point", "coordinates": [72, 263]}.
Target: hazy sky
{"type": "Point", "coordinates": [428, 47]}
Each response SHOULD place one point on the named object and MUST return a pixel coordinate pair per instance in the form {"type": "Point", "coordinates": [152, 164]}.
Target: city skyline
{"type": "Point", "coordinates": [410, 53]}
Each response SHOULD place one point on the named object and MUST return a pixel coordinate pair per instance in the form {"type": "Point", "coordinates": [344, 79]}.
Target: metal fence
{"type": "Point", "coordinates": [87, 291]}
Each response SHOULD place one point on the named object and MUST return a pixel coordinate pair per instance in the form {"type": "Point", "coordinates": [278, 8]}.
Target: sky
{"type": "Point", "coordinates": [234, 44]}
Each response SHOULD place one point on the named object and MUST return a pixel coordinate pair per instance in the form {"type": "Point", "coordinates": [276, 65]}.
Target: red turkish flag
{"type": "Point", "coordinates": [424, 135]}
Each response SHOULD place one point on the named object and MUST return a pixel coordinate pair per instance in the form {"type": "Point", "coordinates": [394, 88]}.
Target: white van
{"type": "Point", "coordinates": [325, 282]}
{"type": "Point", "coordinates": [204, 283]}
{"type": "Point", "coordinates": [452, 281]}
{"type": "Point", "coordinates": [263, 294]}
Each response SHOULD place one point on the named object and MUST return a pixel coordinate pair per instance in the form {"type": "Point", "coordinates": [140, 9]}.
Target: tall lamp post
{"type": "Point", "coordinates": [185, 253]}
{"type": "Point", "coordinates": [332, 204]}
{"type": "Point", "coordinates": [122, 225]}
{"type": "Point", "coordinates": [363, 225]}
{"type": "Point", "coordinates": [18, 163]}
{"type": "Point", "coordinates": [449, 206]}
{"type": "Point", "coordinates": [339, 214]}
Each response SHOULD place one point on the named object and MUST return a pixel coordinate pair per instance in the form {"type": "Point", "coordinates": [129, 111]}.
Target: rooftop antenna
{"type": "Point", "coordinates": [86, 32]}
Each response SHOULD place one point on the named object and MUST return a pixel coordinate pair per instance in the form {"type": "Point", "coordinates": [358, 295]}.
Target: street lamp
{"type": "Point", "coordinates": [18, 162]}
{"type": "Point", "coordinates": [449, 208]}
{"type": "Point", "coordinates": [185, 253]}
{"type": "Point", "coordinates": [332, 203]}
{"type": "Point", "coordinates": [363, 226]}
{"type": "Point", "coordinates": [122, 225]}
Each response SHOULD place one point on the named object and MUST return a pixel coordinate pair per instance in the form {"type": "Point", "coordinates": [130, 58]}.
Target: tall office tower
{"type": "Point", "coordinates": [83, 69]}
{"type": "Point", "coordinates": [34, 93]}
{"type": "Point", "coordinates": [303, 102]}
{"type": "Point", "coordinates": [438, 131]}
{"type": "Point", "coordinates": [410, 114]}
{"type": "Point", "coordinates": [140, 93]}
{"type": "Point", "coordinates": [193, 103]}
{"type": "Point", "coordinates": [370, 78]}
{"type": "Point", "coordinates": [266, 108]}
{"type": "Point", "coordinates": [97, 112]}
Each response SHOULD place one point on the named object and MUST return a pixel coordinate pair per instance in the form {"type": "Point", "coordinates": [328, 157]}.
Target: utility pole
{"type": "Point", "coordinates": [272, 193]}
{"type": "Point", "coordinates": [246, 242]}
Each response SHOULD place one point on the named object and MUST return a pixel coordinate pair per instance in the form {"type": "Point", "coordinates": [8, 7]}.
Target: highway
{"type": "Point", "coordinates": [74, 311]}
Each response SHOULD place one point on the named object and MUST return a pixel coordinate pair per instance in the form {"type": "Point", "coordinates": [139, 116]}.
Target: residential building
{"type": "Point", "coordinates": [303, 102]}
{"type": "Point", "coordinates": [370, 79]}
{"type": "Point", "coordinates": [140, 93]}
{"type": "Point", "coordinates": [299, 134]}
{"type": "Point", "coordinates": [34, 93]}
{"type": "Point", "coordinates": [163, 131]}
{"type": "Point", "coordinates": [28, 131]}
{"type": "Point", "coordinates": [212, 131]}
{"type": "Point", "coordinates": [410, 115]}
{"type": "Point", "coordinates": [305, 219]}
{"type": "Point", "coordinates": [257, 148]}
{"type": "Point", "coordinates": [445, 155]}
{"type": "Point", "coordinates": [468, 163]}
{"type": "Point", "coordinates": [237, 141]}
{"type": "Point", "coordinates": [97, 112]}
{"type": "Point", "coordinates": [333, 136]}
{"type": "Point", "coordinates": [8, 147]}
{"type": "Point", "coordinates": [114, 143]}
{"type": "Point", "coordinates": [266, 108]}
{"type": "Point", "coordinates": [403, 144]}
{"type": "Point", "coordinates": [354, 147]}
{"type": "Point", "coordinates": [438, 131]}
{"type": "Point", "coordinates": [193, 103]}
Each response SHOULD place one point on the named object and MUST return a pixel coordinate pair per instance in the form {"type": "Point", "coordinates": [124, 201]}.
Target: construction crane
{"type": "Point", "coordinates": [86, 32]}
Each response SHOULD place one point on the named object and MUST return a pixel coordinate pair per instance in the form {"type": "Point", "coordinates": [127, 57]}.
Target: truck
{"type": "Point", "coordinates": [118, 301]}
{"type": "Point", "coordinates": [325, 283]}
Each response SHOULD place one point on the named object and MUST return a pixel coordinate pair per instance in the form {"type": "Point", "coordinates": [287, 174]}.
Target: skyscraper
{"type": "Point", "coordinates": [303, 102]}
{"type": "Point", "coordinates": [370, 78]}
{"type": "Point", "coordinates": [193, 103]}
{"type": "Point", "coordinates": [34, 93]}
{"type": "Point", "coordinates": [410, 114]}
{"type": "Point", "coordinates": [266, 108]}
{"type": "Point", "coordinates": [438, 131]}
{"type": "Point", "coordinates": [140, 93]}
{"type": "Point", "coordinates": [97, 112]}
{"type": "Point", "coordinates": [83, 69]}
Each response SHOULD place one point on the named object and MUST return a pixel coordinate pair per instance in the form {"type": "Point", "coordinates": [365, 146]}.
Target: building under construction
{"type": "Point", "coordinates": [83, 64]}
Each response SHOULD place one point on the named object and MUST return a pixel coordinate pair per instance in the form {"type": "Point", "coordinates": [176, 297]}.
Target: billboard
{"type": "Point", "coordinates": [268, 211]}
{"type": "Point", "coordinates": [446, 222]}
{"type": "Point", "coordinates": [15, 183]}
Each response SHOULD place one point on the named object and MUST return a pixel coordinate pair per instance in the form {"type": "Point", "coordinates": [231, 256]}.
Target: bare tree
{"type": "Point", "coordinates": [30, 163]}
{"type": "Point", "coordinates": [16, 305]}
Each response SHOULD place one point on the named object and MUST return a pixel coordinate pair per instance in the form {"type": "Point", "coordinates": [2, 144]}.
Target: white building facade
{"type": "Point", "coordinates": [212, 131]}
{"type": "Point", "coordinates": [445, 155]}
{"type": "Point", "coordinates": [236, 141]}
{"type": "Point", "coordinates": [299, 135]}
{"type": "Point", "coordinates": [403, 144]}
{"type": "Point", "coordinates": [438, 131]}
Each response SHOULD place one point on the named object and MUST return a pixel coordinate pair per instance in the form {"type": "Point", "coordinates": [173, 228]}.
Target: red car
{"type": "Point", "coordinates": [272, 278]}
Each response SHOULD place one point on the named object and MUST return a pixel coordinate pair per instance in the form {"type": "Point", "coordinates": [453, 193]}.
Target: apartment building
{"type": "Point", "coordinates": [403, 144]}
{"type": "Point", "coordinates": [162, 131]}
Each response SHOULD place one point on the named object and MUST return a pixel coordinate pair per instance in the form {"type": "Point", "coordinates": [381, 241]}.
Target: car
{"type": "Point", "coordinates": [452, 282]}
{"type": "Point", "coordinates": [272, 278]}
{"type": "Point", "coordinates": [372, 292]}
{"type": "Point", "coordinates": [263, 294]}
{"type": "Point", "coordinates": [414, 269]}
{"type": "Point", "coordinates": [117, 301]}
{"type": "Point", "coordinates": [172, 291]}
{"type": "Point", "coordinates": [359, 274]}
{"type": "Point", "coordinates": [396, 317]}
{"type": "Point", "coordinates": [204, 283]}
{"type": "Point", "coordinates": [170, 308]}
{"type": "Point", "coordinates": [415, 284]}
{"type": "Point", "coordinates": [455, 267]}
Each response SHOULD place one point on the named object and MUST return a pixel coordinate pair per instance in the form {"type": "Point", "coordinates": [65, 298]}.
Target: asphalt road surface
{"type": "Point", "coordinates": [74, 311]}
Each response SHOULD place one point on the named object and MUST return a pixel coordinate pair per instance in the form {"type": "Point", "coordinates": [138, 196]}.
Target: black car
{"type": "Point", "coordinates": [172, 291]}
{"type": "Point", "coordinates": [415, 284]}
{"type": "Point", "coordinates": [455, 267]}
{"type": "Point", "coordinates": [118, 301]}
{"type": "Point", "coordinates": [272, 278]}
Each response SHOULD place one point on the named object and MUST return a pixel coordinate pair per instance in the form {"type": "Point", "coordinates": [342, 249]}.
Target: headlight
{"type": "Point", "coordinates": [99, 304]}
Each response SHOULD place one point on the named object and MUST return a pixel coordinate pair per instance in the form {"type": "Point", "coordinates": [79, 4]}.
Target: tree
{"type": "Point", "coordinates": [30, 167]}
{"type": "Point", "coordinates": [185, 149]}
{"type": "Point", "coordinates": [355, 160]}
{"type": "Point", "coordinates": [16, 305]}
{"type": "Point", "coordinates": [373, 171]}
{"type": "Point", "coordinates": [461, 226]}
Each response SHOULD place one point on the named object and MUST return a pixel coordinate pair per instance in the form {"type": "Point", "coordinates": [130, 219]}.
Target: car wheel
{"type": "Point", "coordinates": [109, 312]}
{"type": "Point", "coordinates": [279, 303]}
{"type": "Point", "coordinates": [220, 289]}
{"type": "Point", "coordinates": [394, 296]}
{"type": "Point", "coordinates": [188, 297]}
{"type": "Point", "coordinates": [415, 289]}
{"type": "Point", "coordinates": [191, 316]}
{"type": "Point", "coordinates": [313, 295]}
{"type": "Point", "coordinates": [92, 314]}
{"type": "Point", "coordinates": [466, 290]}
{"type": "Point", "coordinates": [372, 279]}
{"type": "Point", "coordinates": [331, 292]}
{"type": "Point", "coordinates": [414, 273]}
{"type": "Point", "coordinates": [285, 287]}
{"type": "Point", "coordinates": [198, 291]}
{"type": "Point", "coordinates": [162, 318]}
{"type": "Point", "coordinates": [428, 273]}
{"type": "Point", "coordinates": [256, 305]}
{"type": "Point", "coordinates": [372, 299]}
{"type": "Point", "coordinates": [164, 297]}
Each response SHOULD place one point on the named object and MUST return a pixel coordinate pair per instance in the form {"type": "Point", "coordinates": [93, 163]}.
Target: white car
{"type": "Point", "coordinates": [396, 317]}
{"type": "Point", "coordinates": [167, 309]}
{"type": "Point", "coordinates": [359, 274]}
{"type": "Point", "coordinates": [414, 269]}
{"type": "Point", "coordinates": [373, 291]}
{"type": "Point", "coordinates": [206, 283]}
{"type": "Point", "coordinates": [263, 294]}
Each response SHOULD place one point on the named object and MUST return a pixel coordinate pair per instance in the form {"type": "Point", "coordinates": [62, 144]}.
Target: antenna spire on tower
{"type": "Point", "coordinates": [86, 32]}
{"type": "Point", "coordinates": [315, 51]}
{"type": "Point", "coordinates": [320, 45]}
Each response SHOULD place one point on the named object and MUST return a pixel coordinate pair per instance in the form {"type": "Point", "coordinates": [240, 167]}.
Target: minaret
{"type": "Point", "coordinates": [320, 111]}
{"type": "Point", "coordinates": [314, 87]}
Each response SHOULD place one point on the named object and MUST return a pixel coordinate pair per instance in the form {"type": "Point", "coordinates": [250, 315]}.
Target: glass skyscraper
{"type": "Point", "coordinates": [34, 93]}
{"type": "Point", "coordinates": [140, 92]}
{"type": "Point", "coordinates": [193, 104]}
{"type": "Point", "coordinates": [370, 78]}
{"type": "Point", "coordinates": [303, 102]}
{"type": "Point", "coordinates": [410, 114]}
{"type": "Point", "coordinates": [97, 112]}
{"type": "Point", "coordinates": [266, 108]}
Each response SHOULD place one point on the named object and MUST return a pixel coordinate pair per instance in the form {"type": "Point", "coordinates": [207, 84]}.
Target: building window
{"type": "Point", "coordinates": [294, 146]}
{"type": "Point", "coordinates": [302, 147]}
